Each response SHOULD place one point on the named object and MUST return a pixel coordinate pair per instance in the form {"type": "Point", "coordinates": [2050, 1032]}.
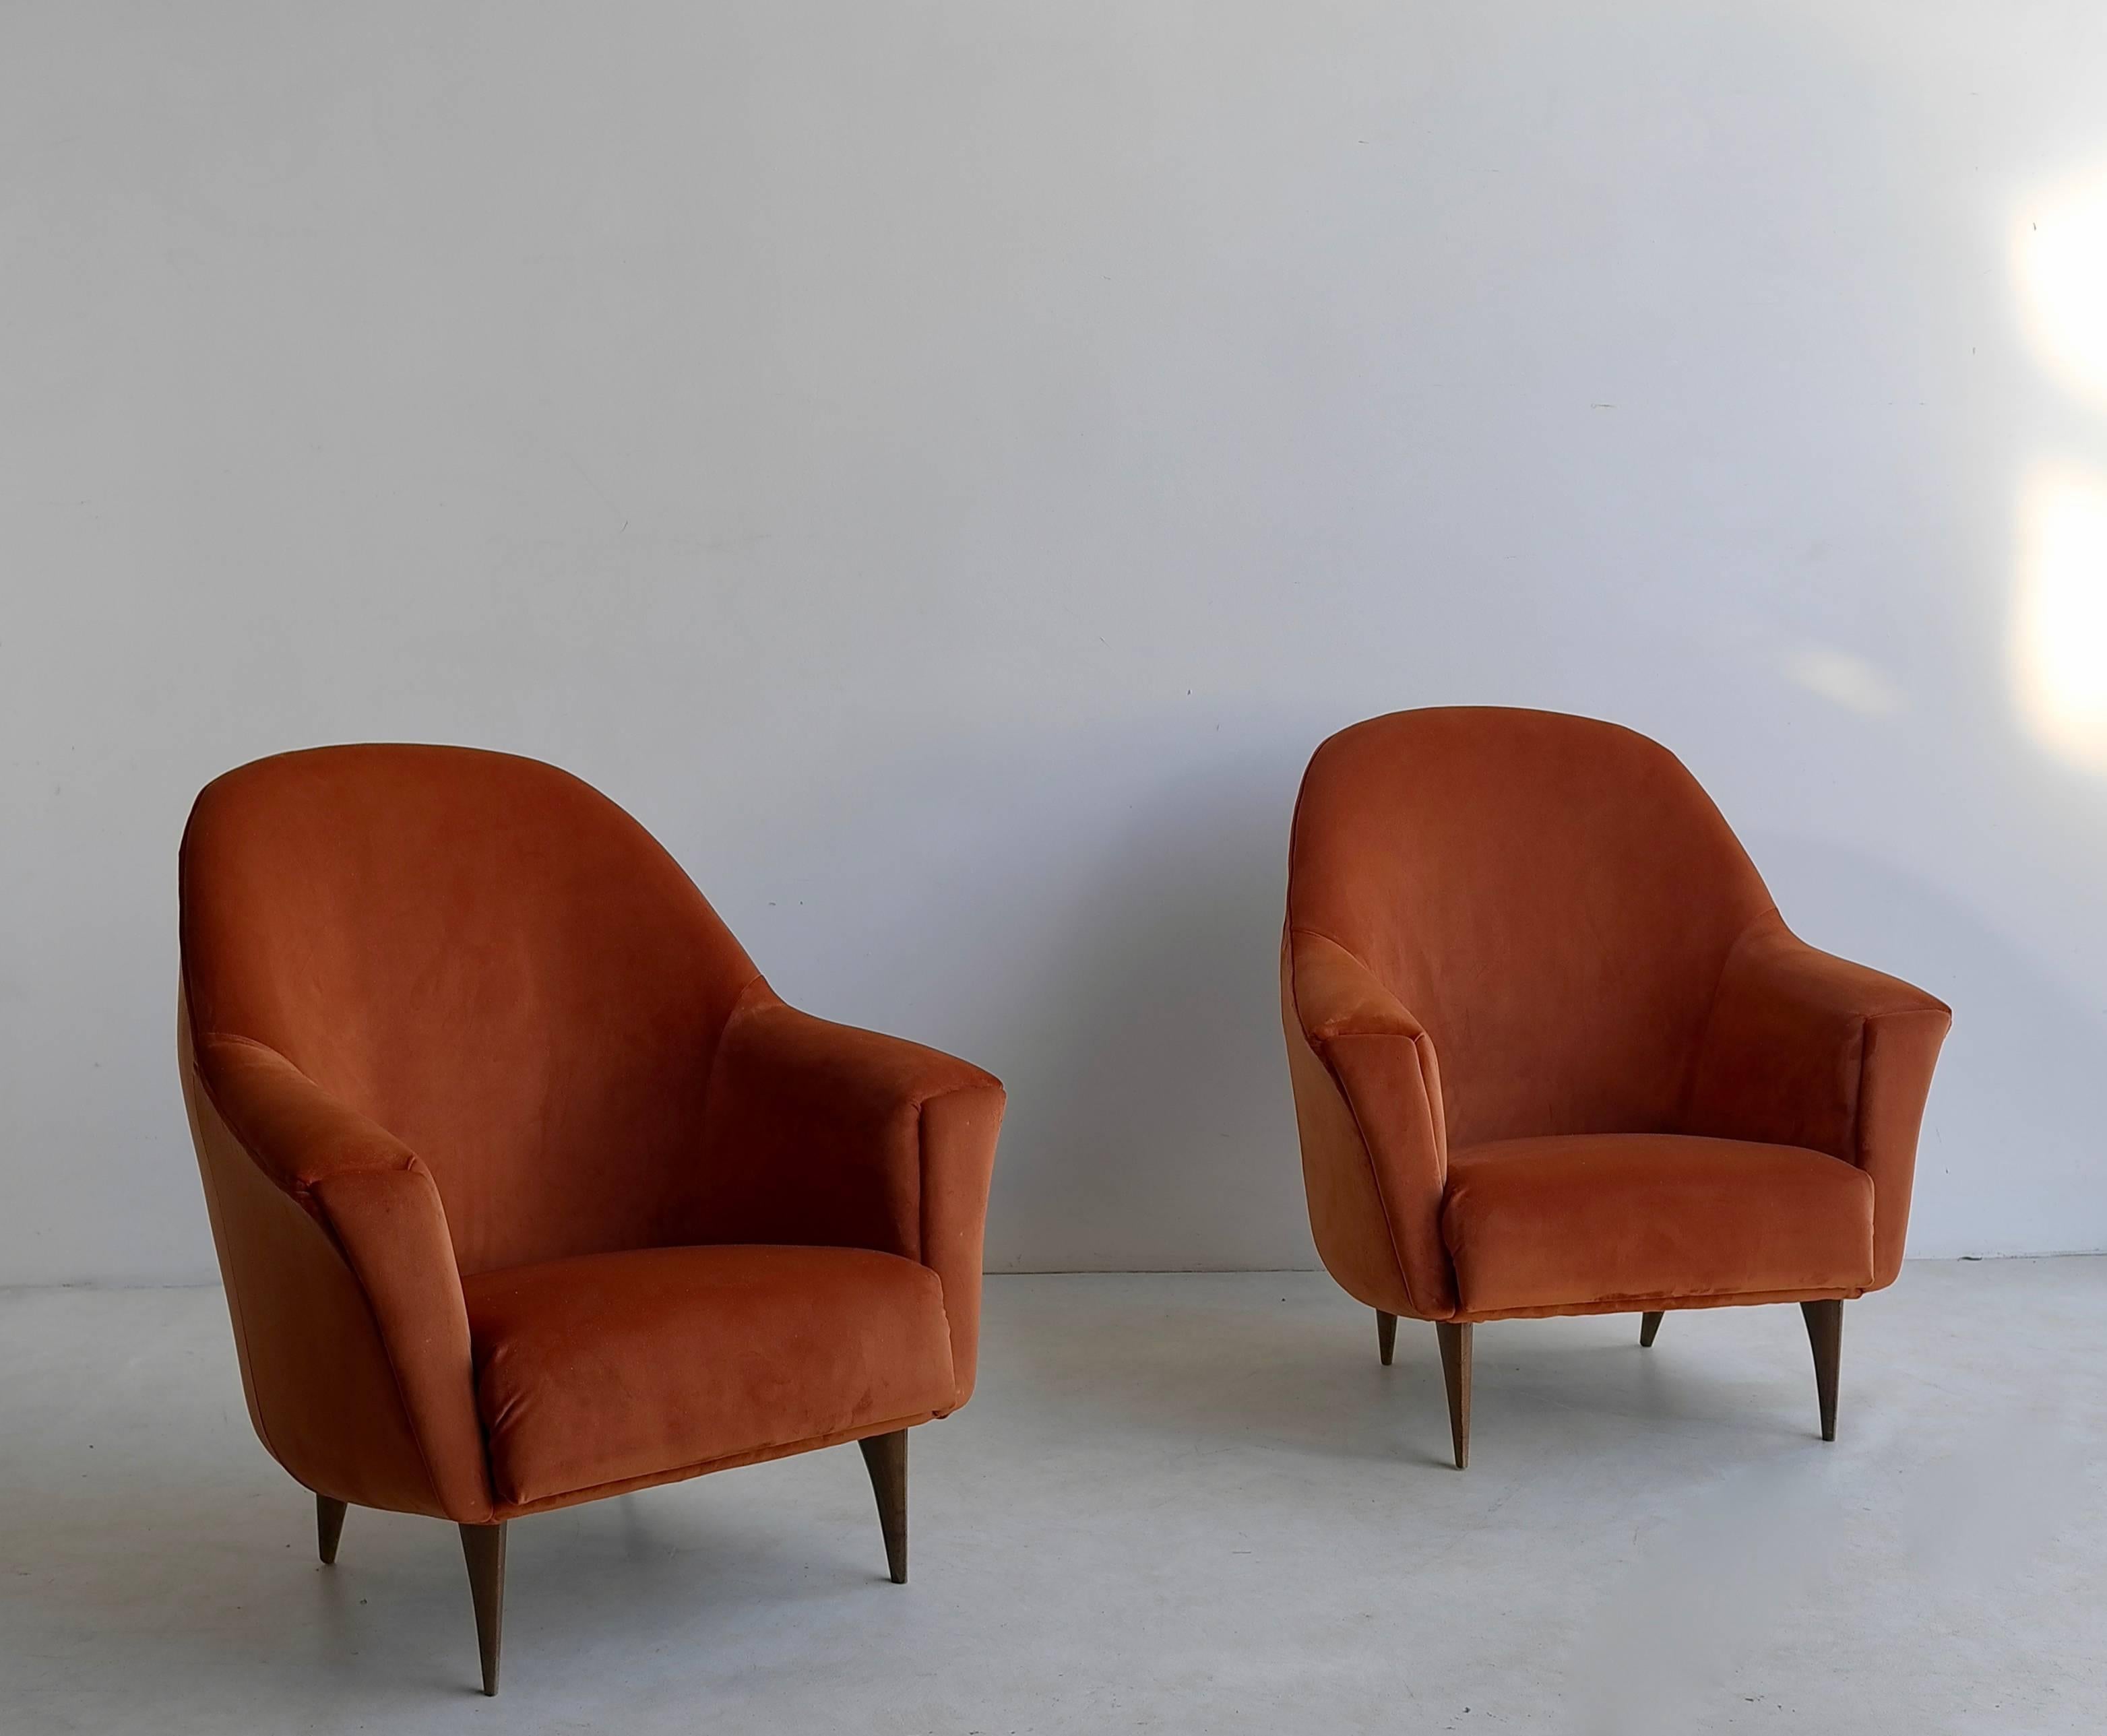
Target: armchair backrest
{"type": "Point", "coordinates": [1553, 897]}
{"type": "Point", "coordinates": [484, 956]}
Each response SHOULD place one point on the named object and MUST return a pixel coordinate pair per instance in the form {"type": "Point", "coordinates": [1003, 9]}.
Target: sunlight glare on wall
{"type": "Point", "coordinates": [2060, 640]}
{"type": "Point", "coordinates": [2061, 258]}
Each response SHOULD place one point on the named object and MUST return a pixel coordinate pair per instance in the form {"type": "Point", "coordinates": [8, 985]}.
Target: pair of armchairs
{"type": "Point", "coordinates": [526, 1189]}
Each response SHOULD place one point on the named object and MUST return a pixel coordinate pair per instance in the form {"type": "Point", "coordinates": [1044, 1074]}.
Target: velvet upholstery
{"type": "Point", "coordinates": [1522, 952]}
{"type": "Point", "coordinates": [453, 1026]}
{"type": "Point", "coordinates": [1610, 1221]}
{"type": "Point", "coordinates": [610, 1367]}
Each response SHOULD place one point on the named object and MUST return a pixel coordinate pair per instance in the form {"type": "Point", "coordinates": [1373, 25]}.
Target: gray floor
{"type": "Point", "coordinates": [1178, 1503]}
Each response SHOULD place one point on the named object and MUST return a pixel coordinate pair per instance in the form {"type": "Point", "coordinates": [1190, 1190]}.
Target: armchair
{"type": "Point", "coordinates": [526, 1188]}
{"type": "Point", "coordinates": [1554, 1052]}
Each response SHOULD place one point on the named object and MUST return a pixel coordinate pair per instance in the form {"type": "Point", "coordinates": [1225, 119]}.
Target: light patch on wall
{"type": "Point", "coordinates": [2059, 626]}
{"type": "Point", "coordinates": [2061, 259]}
{"type": "Point", "coordinates": [1844, 678]}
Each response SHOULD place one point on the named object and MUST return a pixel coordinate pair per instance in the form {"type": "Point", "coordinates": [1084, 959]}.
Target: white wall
{"type": "Point", "coordinates": [944, 465]}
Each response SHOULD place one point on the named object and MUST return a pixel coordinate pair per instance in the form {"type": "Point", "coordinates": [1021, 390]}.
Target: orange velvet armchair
{"type": "Point", "coordinates": [1554, 1051]}
{"type": "Point", "coordinates": [526, 1188]}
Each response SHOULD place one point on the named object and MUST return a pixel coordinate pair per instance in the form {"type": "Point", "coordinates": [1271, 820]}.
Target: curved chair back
{"type": "Point", "coordinates": [485, 957]}
{"type": "Point", "coordinates": [1553, 898]}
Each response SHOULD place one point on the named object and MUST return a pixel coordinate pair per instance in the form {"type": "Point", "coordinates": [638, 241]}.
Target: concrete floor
{"type": "Point", "coordinates": [1188, 1503]}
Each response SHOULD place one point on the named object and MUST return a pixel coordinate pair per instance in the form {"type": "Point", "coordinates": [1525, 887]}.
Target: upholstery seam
{"type": "Point", "coordinates": [216, 1212]}
{"type": "Point", "coordinates": [1624, 1304]}
{"type": "Point", "coordinates": [720, 1062]}
{"type": "Point", "coordinates": [1318, 933]}
{"type": "Point", "coordinates": [921, 1194]}
{"type": "Point", "coordinates": [1868, 1023]}
{"type": "Point", "coordinates": [395, 1373]}
{"type": "Point", "coordinates": [915, 1102]}
{"type": "Point", "coordinates": [301, 1189]}
{"type": "Point", "coordinates": [922, 1233]}
{"type": "Point", "coordinates": [1317, 1051]}
{"type": "Point", "coordinates": [1347, 1096]}
{"type": "Point", "coordinates": [1864, 1034]}
{"type": "Point", "coordinates": [807, 1443]}
{"type": "Point", "coordinates": [318, 1209]}
{"type": "Point", "coordinates": [918, 1104]}
{"type": "Point", "coordinates": [1696, 1065]}
{"type": "Point", "coordinates": [922, 1216]}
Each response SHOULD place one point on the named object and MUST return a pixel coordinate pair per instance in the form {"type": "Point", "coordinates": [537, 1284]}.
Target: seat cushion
{"type": "Point", "coordinates": [1553, 1225]}
{"type": "Point", "coordinates": [627, 1368]}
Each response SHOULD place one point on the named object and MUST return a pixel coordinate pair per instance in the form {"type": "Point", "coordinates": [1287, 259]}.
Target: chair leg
{"type": "Point", "coordinates": [885, 1457]}
{"type": "Point", "coordinates": [1649, 1325]}
{"type": "Point", "coordinates": [484, 1546]}
{"type": "Point", "coordinates": [1456, 1375]}
{"type": "Point", "coordinates": [1385, 1336]}
{"type": "Point", "coordinates": [329, 1527]}
{"type": "Point", "coordinates": [1825, 1332]}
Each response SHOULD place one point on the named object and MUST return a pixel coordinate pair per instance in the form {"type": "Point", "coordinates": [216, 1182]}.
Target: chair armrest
{"type": "Point", "coordinates": [1375, 1142]}
{"type": "Point", "coordinates": [1802, 1048]}
{"type": "Point", "coordinates": [824, 1135]}
{"type": "Point", "coordinates": [376, 1400]}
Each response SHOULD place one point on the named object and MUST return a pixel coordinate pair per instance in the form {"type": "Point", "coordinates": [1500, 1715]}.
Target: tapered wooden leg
{"type": "Point", "coordinates": [484, 1545]}
{"type": "Point", "coordinates": [1385, 1336]}
{"type": "Point", "coordinates": [329, 1527]}
{"type": "Point", "coordinates": [885, 1457]}
{"type": "Point", "coordinates": [1649, 1325]}
{"type": "Point", "coordinates": [1456, 1376]}
{"type": "Point", "coordinates": [1825, 1332]}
